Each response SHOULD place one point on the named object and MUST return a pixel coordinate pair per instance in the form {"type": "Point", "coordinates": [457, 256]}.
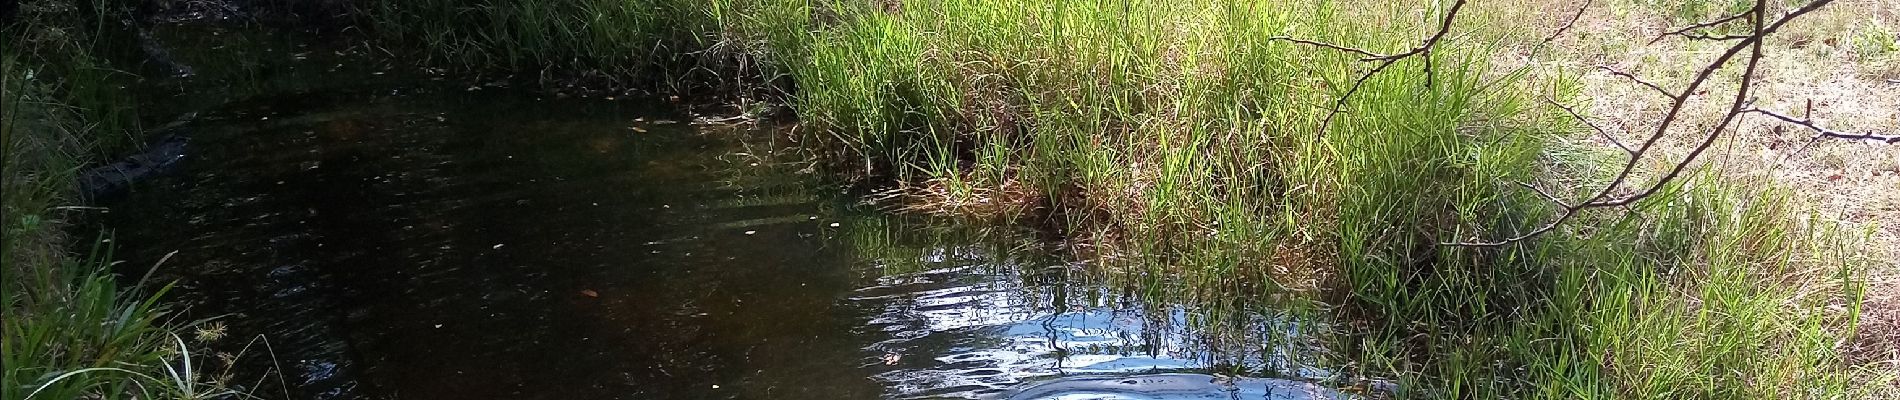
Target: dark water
{"type": "Point", "coordinates": [417, 240]}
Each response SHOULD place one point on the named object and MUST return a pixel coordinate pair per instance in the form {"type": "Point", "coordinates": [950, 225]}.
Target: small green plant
{"type": "Point", "coordinates": [1878, 47]}
{"type": "Point", "coordinates": [73, 331]}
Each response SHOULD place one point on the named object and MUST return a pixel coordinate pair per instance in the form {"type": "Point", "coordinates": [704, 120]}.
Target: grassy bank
{"type": "Point", "coordinates": [73, 329]}
{"type": "Point", "coordinates": [1182, 148]}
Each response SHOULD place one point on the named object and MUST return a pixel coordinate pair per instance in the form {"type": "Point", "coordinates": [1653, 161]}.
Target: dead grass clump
{"type": "Point", "coordinates": [1008, 200]}
{"type": "Point", "coordinates": [1877, 343]}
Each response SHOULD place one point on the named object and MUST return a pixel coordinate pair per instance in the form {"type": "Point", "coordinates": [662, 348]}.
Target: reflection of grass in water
{"type": "Point", "coordinates": [900, 245]}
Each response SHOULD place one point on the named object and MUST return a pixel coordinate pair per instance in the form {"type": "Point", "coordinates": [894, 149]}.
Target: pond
{"type": "Point", "coordinates": [379, 236]}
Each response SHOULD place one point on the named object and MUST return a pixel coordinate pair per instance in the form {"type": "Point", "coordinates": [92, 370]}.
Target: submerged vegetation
{"type": "Point", "coordinates": [1180, 144]}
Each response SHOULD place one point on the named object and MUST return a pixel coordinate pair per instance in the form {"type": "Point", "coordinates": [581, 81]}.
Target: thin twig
{"type": "Point", "coordinates": [1369, 55]}
{"type": "Point", "coordinates": [1633, 78]}
{"type": "Point", "coordinates": [1566, 27]}
{"type": "Point", "coordinates": [1686, 29]}
{"type": "Point", "coordinates": [1384, 60]}
{"type": "Point", "coordinates": [1821, 131]}
{"type": "Point", "coordinates": [1547, 195]}
{"type": "Point", "coordinates": [1713, 38]}
{"type": "Point", "coordinates": [1586, 121]}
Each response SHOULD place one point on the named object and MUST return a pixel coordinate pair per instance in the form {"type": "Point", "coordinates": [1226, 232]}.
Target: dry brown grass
{"type": "Point", "coordinates": [1008, 200]}
{"type": "Point", "coordinates": [1879, 337]}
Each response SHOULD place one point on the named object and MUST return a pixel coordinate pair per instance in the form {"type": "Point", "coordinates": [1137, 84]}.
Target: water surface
{"type": "Point", "coordinates": [427, 240]}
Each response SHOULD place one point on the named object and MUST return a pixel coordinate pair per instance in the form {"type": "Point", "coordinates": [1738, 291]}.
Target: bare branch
{"type": "Point", "coordinates": [1824, 132]}
{"type": "Point", "coordinates": [1633, 78]}
{"type": "Point", "coordinates": [1686, 29]}
{"type": "Point", "coordinates": [1547, 195]}
{"type": "Point", "coordinates": [1753, 44]}
{"type": "Point", "coordinates": [1566, 27]}
{"type": "Point", "coordinates": [1369, 55]}
{"type": "Point", "coordinates": [1568, 213]}
{"type": "Point", "coordinates": [1713, 38]}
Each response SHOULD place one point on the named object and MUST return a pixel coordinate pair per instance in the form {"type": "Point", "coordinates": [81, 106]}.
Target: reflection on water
{"type": "Point", "coordinates": [432, 243]}
{"type": "Point", "coordinates": [1174, 387]}
{"type": "Point", "coordinates": [981, 330]}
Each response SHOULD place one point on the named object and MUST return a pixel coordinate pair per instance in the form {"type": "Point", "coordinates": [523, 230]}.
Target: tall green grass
{"type": "Point", "coordinates": [1180, 145]}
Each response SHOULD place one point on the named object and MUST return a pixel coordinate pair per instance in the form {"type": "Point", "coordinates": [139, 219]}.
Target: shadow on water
{"type": "Point", "coordinates": [433, 242]}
